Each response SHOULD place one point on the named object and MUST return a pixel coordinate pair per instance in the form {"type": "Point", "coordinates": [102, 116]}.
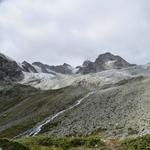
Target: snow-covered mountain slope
{"type": "Point", "coordinates": [50, 81]}
{"type": "Point", "coordinates": [38, 67]}
{"type": "Point", "coordinates": [47, 77]}
{"type": "Point", "coordinates": [47, 81]}
{"type": "Point", "coordinates": [106, 61]}
{"type": "Point", "coordinates": [43, 81]}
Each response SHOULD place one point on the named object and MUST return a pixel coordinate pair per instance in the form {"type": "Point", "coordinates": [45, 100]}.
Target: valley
{"type": "Point", "coordinates": [107, 99]}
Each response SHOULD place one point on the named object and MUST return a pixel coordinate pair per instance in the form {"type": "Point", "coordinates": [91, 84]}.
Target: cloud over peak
{"type": "Point", "coordinates": [73, 30]}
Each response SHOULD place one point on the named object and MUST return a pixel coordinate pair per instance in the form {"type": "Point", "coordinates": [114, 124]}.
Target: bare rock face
{"type": "Point", "coordinates": [9, 70]}
{"type": "Point", "coordinates": [87, 67]}
{"type": "Point", "coordinates": [109, 61]}
{"type": "Point", "coordinates": [27, 67]}
{"type": "Point", "coordinates": [64, 69]}
{"type": "Point", "coordinates": [104, 61]}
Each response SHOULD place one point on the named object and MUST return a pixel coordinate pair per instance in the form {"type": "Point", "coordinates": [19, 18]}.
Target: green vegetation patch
{"type": "Point", "coordinates": [75, 143]}
{"type": "Point", "coordinates": [14, 131]}
{"type": "Point", "coordinates": [10, 145]}
{"type": "Point", "coordinates": [22, 107]}
{"type": "Point", "coordinates": [140, 143]}
{"type": "Point", "coordinates": [64, 143]}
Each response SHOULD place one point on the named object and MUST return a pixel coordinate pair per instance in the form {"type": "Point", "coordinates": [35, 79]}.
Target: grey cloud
{"type": "Point", "coordinates": [74, 30]}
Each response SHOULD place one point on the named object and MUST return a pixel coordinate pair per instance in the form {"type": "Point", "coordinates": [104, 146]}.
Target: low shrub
{"type": "Point", "coordinates": [64, 143]}
{"type": "Point", "coordinates": [140, 143]}
{"type": "Point", "coordinates": [10, 145]}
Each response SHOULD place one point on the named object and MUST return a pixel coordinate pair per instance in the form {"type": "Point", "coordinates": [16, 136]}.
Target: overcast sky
{"type": "Point", "coordinates": [58, 31]}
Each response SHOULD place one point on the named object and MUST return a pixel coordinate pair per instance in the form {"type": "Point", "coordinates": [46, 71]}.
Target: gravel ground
{"type": "Point", "coordinates": [118, 111]}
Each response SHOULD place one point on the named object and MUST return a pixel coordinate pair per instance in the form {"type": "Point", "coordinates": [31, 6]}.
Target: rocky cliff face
{"type": "Point", "coordinates": [64, 69]}
{"type": "Point", "coordinates": [9, 70]}
{"type": "Point", "coordinates": [27, 67]}
{"type": "Point", "coordinates": [105, 61]}
{"type": "Point", "coordinates": [109, 61]}
{"type": "Point", "coordinates": [87, 67]}
{"type": "Point", "coordinates": [38, 67]}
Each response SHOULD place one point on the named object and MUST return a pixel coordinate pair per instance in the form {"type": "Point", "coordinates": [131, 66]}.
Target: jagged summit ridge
{"type": "Point", "coordinates": [27, 67]}
{"type": "Point", "coordinates": [63, 69]}
{"type": "Point", "coordinates": [104, 61]}
{"type": "Point", "coordinates": [11, 70]}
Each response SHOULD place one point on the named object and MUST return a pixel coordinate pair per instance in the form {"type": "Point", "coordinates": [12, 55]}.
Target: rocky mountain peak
{"type": "Point", "coordinates": [105, 57]}
{"type": "Point", "coordinates": [87, 67]}
{"type": "Point", "coordinates": [2, 56]}
{"type": "Point", "coordinates": [64, 69]}
{"type": "Point", "coordinates": [67, 65]}
{"type": "Point", "coordinates": [109, 61]}
{"type": "Point", "coordinates": [104, 61]}
{"type": "Point", "coordinates": [27, 67]}
{"type": "Point", "coordinates": [9, 70]}
{"type": "Point", "coordinates": [86, 63]}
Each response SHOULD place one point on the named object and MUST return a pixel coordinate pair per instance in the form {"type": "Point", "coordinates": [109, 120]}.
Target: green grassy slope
{"type": "Point", "coordinates": [63, 143]}
{"type": "Point", "coordinates": [6, 144]}
{"type": "Point", "coordinates": [21, 107]}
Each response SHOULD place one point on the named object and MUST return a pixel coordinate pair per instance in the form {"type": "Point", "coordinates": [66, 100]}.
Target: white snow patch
{"type": "Point", "coordinates": [75, 70]}
{"type": "Point", "coordinates": [47, 81]}
{"type": "Point", "coordinates": [110, 64]}
{"type": "Point", "coordinates": [69, 67]}
{"type": "Point", "coordinates": [19, 64]}
{"type": "Point", "coordinates": [51, 71]}
{"type": "Point", "coordinates": [38, 69]}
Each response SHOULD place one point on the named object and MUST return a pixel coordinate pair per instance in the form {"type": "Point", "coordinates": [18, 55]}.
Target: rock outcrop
{"type": "Point", "coordinates": [64, 69]}
{"type": "Point", "coordinates": [9, 70]}
{"type": "Point", "coordinates": [104, 61]}
{"type": "Point", "coordinates": [27, 67]}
